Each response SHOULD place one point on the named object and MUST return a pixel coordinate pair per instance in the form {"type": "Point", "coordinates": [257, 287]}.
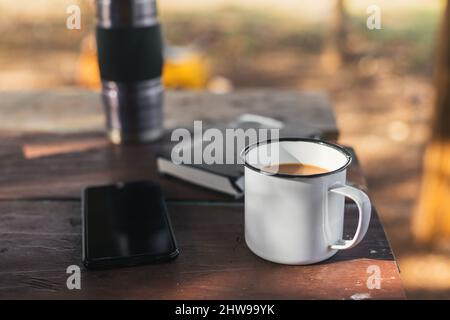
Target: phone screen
{"type": "Point", "coordinates": [126, 224]}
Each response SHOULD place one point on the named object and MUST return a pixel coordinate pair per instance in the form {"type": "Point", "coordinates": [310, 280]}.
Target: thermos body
{"type": "Point", "coordinates": [130, 56]}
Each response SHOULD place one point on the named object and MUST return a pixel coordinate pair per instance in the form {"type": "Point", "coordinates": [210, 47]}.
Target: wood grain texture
{"type": "Point", "coordinates": [75, 110]}
{"type": "Point", "coordinates": [64, 175]}
{"type": "Point", "coordinates": [52, 142]}
{"type": "Point", "coordinates": [40, 239]}
{"type": "Point", "coordinates": [52, 145]}
{"type": "Point", "coordinates": [71, 162]}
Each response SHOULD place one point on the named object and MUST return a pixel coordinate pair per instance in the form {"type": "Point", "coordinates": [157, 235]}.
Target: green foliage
{"type": "Point", "coordinates": [407, 35]}
{"type": "Point", "coordinates": [252, 31]}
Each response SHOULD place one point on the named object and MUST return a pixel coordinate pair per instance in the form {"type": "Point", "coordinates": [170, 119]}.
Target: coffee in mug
{"type": "Point", "coordinates": [295, 169]}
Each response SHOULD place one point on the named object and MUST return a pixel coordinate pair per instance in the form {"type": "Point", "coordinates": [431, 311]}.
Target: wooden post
{"type": "Point", "coordinates": [431, 223]}
{"type": "Point", "coordinates": [334, 54]}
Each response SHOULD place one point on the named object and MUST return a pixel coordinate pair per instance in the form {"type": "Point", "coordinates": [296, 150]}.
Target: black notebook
{"type": "Point", "coordinates": [223, 177]}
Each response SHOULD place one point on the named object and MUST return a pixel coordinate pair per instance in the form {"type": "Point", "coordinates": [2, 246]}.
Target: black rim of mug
{"type": "Point", "coordinates": [284, 175]}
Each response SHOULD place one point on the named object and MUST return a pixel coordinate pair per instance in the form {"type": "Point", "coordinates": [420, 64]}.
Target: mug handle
{"type": "Point", "coordinates": [364, 207]}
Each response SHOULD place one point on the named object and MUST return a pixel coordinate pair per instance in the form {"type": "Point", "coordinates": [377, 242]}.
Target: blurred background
{"type": "Point", "coordinates": [379, 81]}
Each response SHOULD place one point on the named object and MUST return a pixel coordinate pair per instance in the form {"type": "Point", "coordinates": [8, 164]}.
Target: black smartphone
{"type": "Point", "coordinates": [126, 224]}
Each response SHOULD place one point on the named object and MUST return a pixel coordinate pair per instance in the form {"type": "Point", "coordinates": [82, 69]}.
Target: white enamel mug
{"type": "Point", "coordinates": [294, 219]}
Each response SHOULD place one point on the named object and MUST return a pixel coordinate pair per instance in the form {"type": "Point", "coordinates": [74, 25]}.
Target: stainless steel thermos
{"type": "Point", "coordinates": [130, 56]}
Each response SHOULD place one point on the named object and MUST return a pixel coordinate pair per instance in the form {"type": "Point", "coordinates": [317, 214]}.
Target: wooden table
{"type": "Point", "coordinates": [52, 145]}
